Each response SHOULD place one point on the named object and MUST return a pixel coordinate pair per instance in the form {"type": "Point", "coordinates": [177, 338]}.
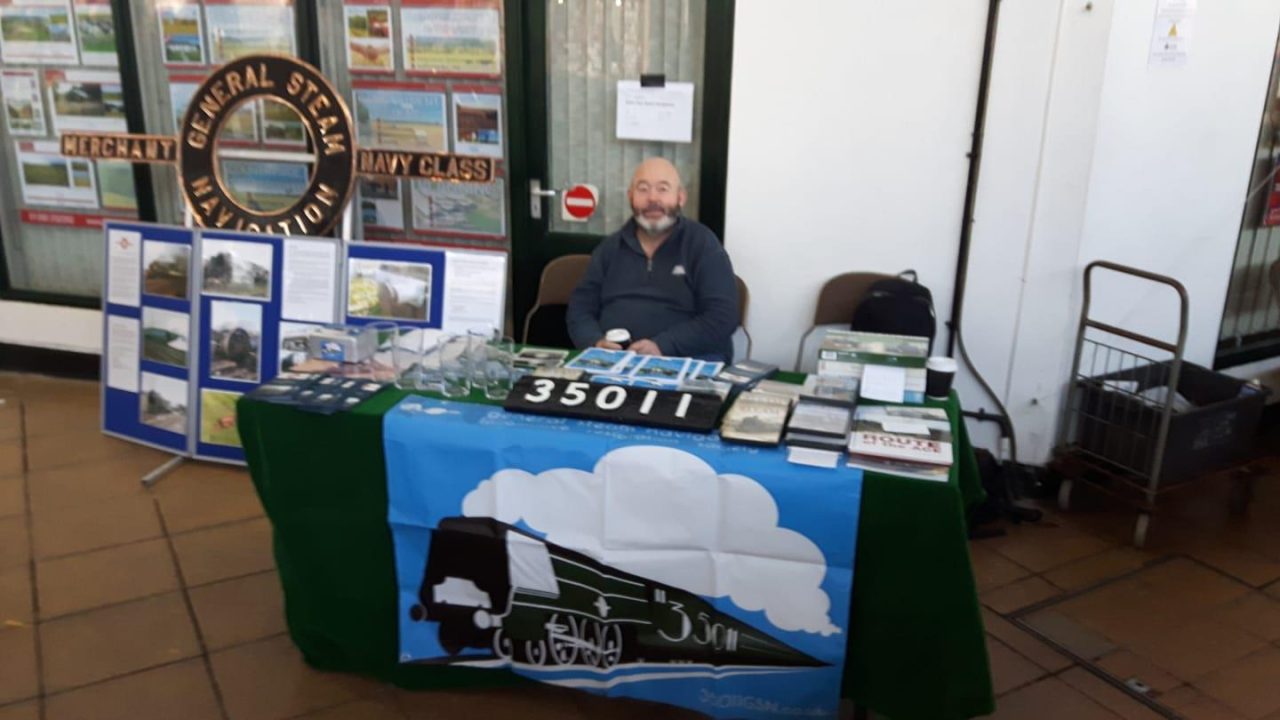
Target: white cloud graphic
{"type": "Point", "coordinates": [667, 515]}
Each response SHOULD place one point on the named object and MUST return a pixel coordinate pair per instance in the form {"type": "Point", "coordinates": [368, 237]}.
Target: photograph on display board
{"type": "Point", "coordinates": [37, 32]}
{"type": "Point", "coordinates": [369, 33]}
{"type": "Point", "coordinates": [241, 125]}
{"type": "Point", "coordinates": [162, 402]}
{"type": "Point", "coordinates": [48, 178]}
{"type": "Point", "coordinates": [281, 124]}
{"type": "Point", "coordinates": [165, 268]}
{"type": "Point", "coordinates": [86, 100]}
{"type": "Point", "coordinates": [477, 124]}
{"type": "Point", "coordinates": [97, 31]}
{"type": "Point", "coordinates": [387, 289]}
{"type": "Point", "coordinates": [235, 340]}
{"type": "Point", "coordinates": [23, 111]}
{"type": "Point", "coordinates": [380, 204]}
{"type": "Point", "coordinates": [293, 343]}
{"type": "Point", "coordinates": [164, 336]}
{"type": "Point", "coordinates": [452, 40]}
{"type": "Point", "coordinates": [263, 186]}
{"type": "Point", "coordinates": [239, 30]}
{"type": "Point", "coordinates": [401, 120]}
{"type": "Point", "coordinates": [218, 417]}
{"type": "Point", "coordinates": [478, 208]}
{"type": "Point", "coordinates": [181, 34]}
{"type": "Point", "coordinates": [237, 269]}
{"type": "Point", "coordinates": [115, 182]}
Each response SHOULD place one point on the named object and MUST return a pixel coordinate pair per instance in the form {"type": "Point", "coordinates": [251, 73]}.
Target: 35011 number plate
{"type": "Point", "coordinates": [696, 412]}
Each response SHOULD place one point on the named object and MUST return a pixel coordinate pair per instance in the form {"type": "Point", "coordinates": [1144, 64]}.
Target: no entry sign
{"type": "Point", "coordinates": [578, 203]}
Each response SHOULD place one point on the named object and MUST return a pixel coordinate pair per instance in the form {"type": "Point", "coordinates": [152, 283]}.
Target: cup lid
{"type": "Point", "coordinates": [618, 335]}
{"type": "Point", "coordinates": [941, 364]}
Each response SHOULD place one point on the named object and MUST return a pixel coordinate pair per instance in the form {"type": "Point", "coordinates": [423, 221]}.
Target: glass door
{"type": "Point", "coordinates": [592, 69]}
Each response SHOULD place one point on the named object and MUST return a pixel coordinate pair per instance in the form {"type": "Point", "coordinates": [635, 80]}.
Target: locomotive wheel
{"type": "Point", "coordinates": [535, 652]}
{"type": "Point", "coordinates": [589, 632]}
{"type": "Point", "coordinates": [502, 646]}
{"type": "Point", "coordinates": [564, 645]}
{"type": "Point", "coordinates": [610, 645]}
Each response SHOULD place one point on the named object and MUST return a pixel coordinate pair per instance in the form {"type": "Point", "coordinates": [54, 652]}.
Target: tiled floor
{"type": "Point", "coordinates": [121, 602]}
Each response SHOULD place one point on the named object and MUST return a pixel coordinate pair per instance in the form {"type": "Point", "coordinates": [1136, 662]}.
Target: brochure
{"type": "Point", "coordinates": [911, 434]}
{"type": "Point", "coordinates": [599, 361]}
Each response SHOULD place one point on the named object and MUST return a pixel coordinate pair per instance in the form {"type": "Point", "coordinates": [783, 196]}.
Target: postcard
{"type": "Point", "coordinates": [166, 267]}
{"type": "Point", "coordinates": [235, 339]}
{"type": "Point", "coordinates": [399, 119]}
{"type": "Point", "coordinates": [37, 31]}
{"type": "Point", "coordinates": [23, 109]}
{"type": "Point", "coordinates": [668, 369]}
{"type": "Point", "coordinates": [599, 361]}
{"type": "Point", "coordinates": [387, 289]}
{"type": "Point", "coordinates": [181, 34]}
{"type": "Point", "coordinates": [464, 41]}
{"type": "Point", "coordinates": [96, 29]}
{"type": "Point", "coordinates": [85, 100]}
{"type": "Point", "coordinates": [237, 30]}
{"type": "Point", "coordinates": [48, 178]}
{"type": "Point", "coordinates": [534, 357]}
{"type": "Point", "coordinates": [237, 268]}
{"type": "Point", "coordinates": [369, 38]}
{"type": "Point", "coordinates": [165, 336]}
{"type": "Point", "coordinates": [477, 124]}
{"type": "Point", "coordinates": [472, 208]}
{"type": "Point", "coordinates": [162, 402]}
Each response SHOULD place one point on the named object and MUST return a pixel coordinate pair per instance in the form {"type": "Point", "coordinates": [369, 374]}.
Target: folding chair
{"type": "Point", "coordinates": [836, 302]}
{"type": "Point", "coordinates": [559, 278]}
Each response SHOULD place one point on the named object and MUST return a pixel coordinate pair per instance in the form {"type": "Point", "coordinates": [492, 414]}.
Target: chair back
{"type": "Point", "coordinates": [744, 299]}
{"type": "Point", "coordinates": [837, 300]}
{"type": "Point", "coordinates": [559, 278]}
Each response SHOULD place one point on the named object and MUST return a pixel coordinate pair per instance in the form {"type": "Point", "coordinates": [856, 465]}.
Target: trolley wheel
{"type": "Point", "coordinates": [1140, 530]}
{"type": "Point", "coordinates": [1064, 494]}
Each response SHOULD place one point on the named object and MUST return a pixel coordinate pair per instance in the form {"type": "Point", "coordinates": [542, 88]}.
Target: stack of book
{"type": "Point", "coordinates": [844, 355]}
{"type": "Point", "coordinates": [818, 432]}
{"type": "Point", "coordinates": [756, 418]}
{"type": "Point", "coordinates": [912, 442]}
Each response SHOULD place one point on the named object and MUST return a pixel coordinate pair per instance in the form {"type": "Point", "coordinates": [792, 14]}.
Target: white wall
{"type": "Point", "coordinates": [50, 326]}
{"type": "Point", "coordinates": [849, 127]}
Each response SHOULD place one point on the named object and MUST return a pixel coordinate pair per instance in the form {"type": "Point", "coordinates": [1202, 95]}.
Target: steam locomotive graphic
{"type": "Point", "coordinates": [490, 585]}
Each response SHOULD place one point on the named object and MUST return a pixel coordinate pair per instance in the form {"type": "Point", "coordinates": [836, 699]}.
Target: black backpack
{"type": "Point", "coordinates": [897, 306]}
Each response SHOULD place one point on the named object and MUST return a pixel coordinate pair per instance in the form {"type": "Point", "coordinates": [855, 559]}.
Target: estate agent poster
{"type": "Point", "coordinates": [37, 31]}
{"type": "Point", "coordinates": [96, 29]}
{"type": "Point", "coordinates": [625, 561]}
{"type": "Point", "coordinates": [181, 34]}
{"type": "Point", "coordinates": [369, 36]}
{"type": "Point", "coordinates": [236, 30]}
{"type": "Point", "coordinates": [242, 126]}
{"type": "Point", "coordinates": [400, 116]}
{"type": "Point", "coordinates": [477, 121]}
{"type": "Point", "coordinates": [445, 37]}
{"type": "Point", "coordinates": [23, 109]}
{"type": "Point", "coordinates": [86, 100]}
{"type": "Point", "coordinates": [380, 203]}
{"type": "Point", "coordinates": [48, 178]}
{"type": "Point", "coordinates": [470, 208]}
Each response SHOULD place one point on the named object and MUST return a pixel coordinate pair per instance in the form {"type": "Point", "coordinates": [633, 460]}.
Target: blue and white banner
{"type": "Point", "coordinates": [621, 560]}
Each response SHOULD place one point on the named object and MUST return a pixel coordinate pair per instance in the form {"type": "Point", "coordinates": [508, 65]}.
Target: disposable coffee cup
{"type": "Point", "coordinates": [940, 372]}
{"type": "Point", "coordinates": [621, 336]}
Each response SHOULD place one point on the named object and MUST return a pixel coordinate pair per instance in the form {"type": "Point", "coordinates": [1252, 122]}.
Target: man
{"type": "Point", "coordinates": [663, 277]}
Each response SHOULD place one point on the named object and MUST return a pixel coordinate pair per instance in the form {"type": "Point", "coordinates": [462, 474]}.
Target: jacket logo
{"type": "Point", "coordinates": [678, 270]}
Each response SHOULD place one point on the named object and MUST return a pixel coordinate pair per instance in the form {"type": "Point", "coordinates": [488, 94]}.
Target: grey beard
{"type": "Point", "coordinates": [660, 225]}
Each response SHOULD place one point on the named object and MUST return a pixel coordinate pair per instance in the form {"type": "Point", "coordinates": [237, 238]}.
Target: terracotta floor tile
{"type": "Point", "coordinates": [1248, 686]}
{"type": "Point", "coordinates": [15, 546]}
{"type": "Point", "coordinates": [1252, 567]}
{"type": "Point", "coordinates": [541, 702]}
{"type": "Point", "coordinates": [13, 498]}
{"type": "Point", "coordinates": [10, 457]}
{"type": "Point", "coordinates": [1050, 699]}
{"type": "Point", "coordinates": [99, 644]}
{"type": "Point", "coordinates": [268, 679]}
{"type": "Point", "coordinates": [62, 416]}
{"type": "Point", "coordinates": [89, 580]}
{"type": "Point", "coordinates": [198, 495]}
{"type": "Point", "coordinates": [224, 552]}
{"type": "Point", "coordinates": [1070, 634]}
{"type": "Point", "coordinates": [1273, 590]}
{"type": "Point", "coordinates": [90, 527]}
{"type": "Point", "coordinates": [1124, 665]}
{"type": "Point", "coordinates": [1018, 595]}
{"type": "Point", "coordinates": [181, 690]}
{"type": "Point", "coordinates": [379, 709]}
{"type": "Point", "coordinates": [50, 451]}
{"type": "Point", "coordinates": [1108, 696]}
{"type": "Point", "coordinates": [15, 595]}
{"type": "Point", "coordinates": [1098, 568]}
{"type": "Point", "coordinates": [19, 680]}
{"type": "Point", "coordinates": [1195, 705]}
{"type": "Point", "coordinates": [991, 569]}
{"type": "Point", "coordinates": [1042, 546]}
{"type": "Point", "coordinates": [1195, 649]}
{"type": "Point", "coordinates": [237, 611]}
{"type": "Point", "coordinates": [1009, 670]}
{"type": "Point", "coordinates": [21, 711]}
{"type": "Point", "coordinates": [1026, 644]}
{"type": "Point", "coordinates": [1255, 613]}
{"type": "Point", "coordinates": [87, 483]}
{"type": "Point", "coordinates": [592, 706]}
{"type": "Point", "coordinates": [10, 418]}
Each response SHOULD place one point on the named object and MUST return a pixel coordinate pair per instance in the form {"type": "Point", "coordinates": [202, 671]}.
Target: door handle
{"type": "Point", "coordinates": [536, 194]}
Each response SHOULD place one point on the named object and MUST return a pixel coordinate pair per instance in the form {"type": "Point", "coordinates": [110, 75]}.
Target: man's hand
{"type": "Point", "coordinates": [646, 347]}
{"type": "Point", "coordinates": [602, 343]}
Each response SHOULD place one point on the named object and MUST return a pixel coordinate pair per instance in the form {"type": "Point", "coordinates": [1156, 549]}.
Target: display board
{"type": "Point", "coordinates": [196, 318]}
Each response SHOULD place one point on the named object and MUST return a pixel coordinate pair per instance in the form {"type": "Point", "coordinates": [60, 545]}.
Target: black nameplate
{"type": "Point", "coordinates": [653, 80]}
{"type": "Point", "coordinates": [674, 409]}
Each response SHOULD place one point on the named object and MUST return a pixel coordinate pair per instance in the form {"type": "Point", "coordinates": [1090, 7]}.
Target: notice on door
{"type": "Point", "coordinates": [662, 114]}
{"type": "Point", "coordinates": [1171, 36]}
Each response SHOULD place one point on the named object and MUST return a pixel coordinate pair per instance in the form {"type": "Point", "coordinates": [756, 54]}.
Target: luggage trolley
{"type": "Point", "coordinates": [1114, 433]}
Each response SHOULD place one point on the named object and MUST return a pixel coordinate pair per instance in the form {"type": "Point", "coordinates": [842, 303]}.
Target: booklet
{"type": "Point", "coordinates": [756, 418]}
{"type": "Point", "coordinates": [820, 419]}
{"type": "Point", "coordinates": [599, 361]}
{"type": "Point", "coordinates": [911, 434]}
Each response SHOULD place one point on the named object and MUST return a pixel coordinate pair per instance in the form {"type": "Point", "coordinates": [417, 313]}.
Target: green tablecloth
{"type": "Point", "coordinates": [916, 650]}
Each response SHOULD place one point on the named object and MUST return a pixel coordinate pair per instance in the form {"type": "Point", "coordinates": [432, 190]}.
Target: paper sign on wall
{"type": "Point", "coordinates": [662, 114]}
{"type": "Point", "coordinates": [1171, 36]}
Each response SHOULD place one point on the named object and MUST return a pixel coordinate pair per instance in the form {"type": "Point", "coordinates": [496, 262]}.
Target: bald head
{"type": "Point", "coordinates": [656, 195]}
